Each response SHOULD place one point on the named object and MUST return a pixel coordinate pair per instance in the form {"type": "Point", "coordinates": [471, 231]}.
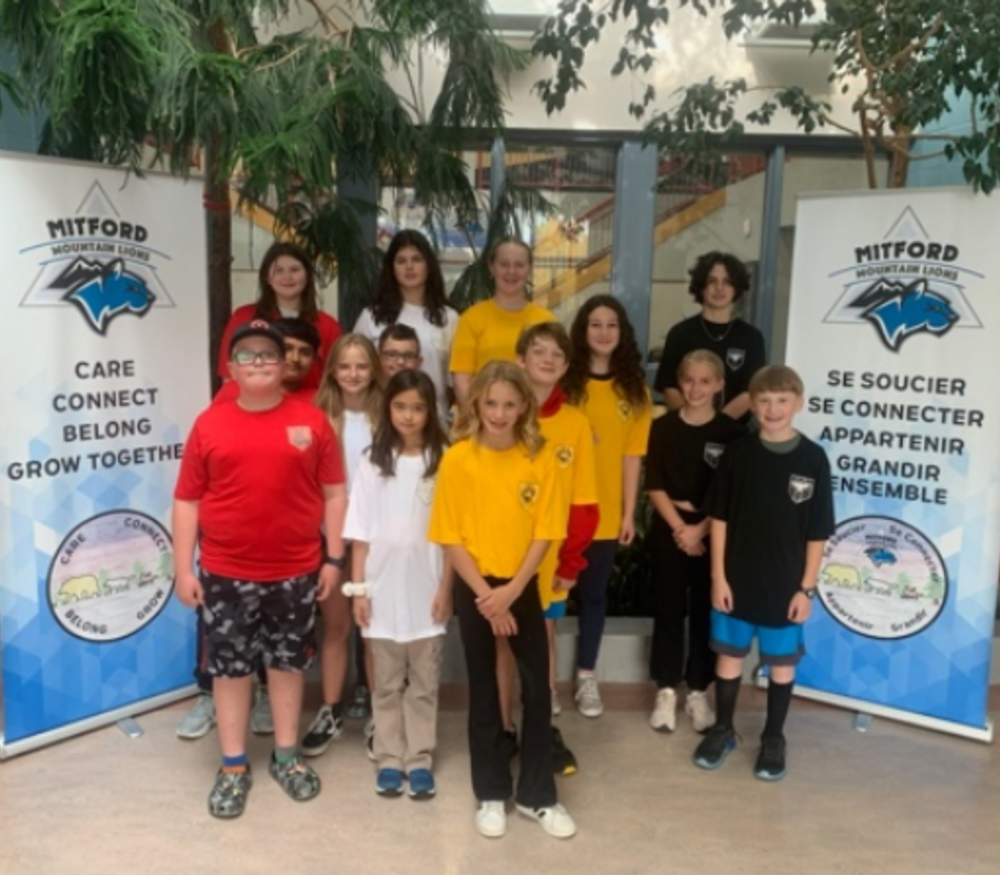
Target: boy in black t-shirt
{"type": "Point", "coordinates": [718, 281]}
{"type": "Point", "coordinates": [771, 509]}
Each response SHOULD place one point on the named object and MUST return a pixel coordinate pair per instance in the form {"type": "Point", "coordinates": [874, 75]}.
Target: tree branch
{"type": "Point", "coordinates": [329, 25]}
{"type": "Point", "coordinates": [910, 48]}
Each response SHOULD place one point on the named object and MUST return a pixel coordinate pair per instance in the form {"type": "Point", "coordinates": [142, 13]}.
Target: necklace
{"type": "Point", "coordinates": [712, 337]}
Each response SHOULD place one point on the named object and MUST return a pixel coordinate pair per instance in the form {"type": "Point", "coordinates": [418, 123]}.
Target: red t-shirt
{"type": "Point", "coordinates": [329, 330]}
{"type": "Point", "coordinates": [258, 478]}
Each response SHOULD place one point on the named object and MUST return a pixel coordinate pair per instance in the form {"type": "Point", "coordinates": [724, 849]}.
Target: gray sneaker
{"type": "Point", "coordinates": [229, 795]}
{"type": "Point", "coordinates": [588, 697]}
{"type": "Point", "coordinates": [297, 778]}
{"type": "Point", "coordinates": [199, 720]}
{"type": "Point", "coordinates": [261, 718]}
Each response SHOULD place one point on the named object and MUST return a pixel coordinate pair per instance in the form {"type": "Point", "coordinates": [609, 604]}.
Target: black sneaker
{"type": "Point", "coordinates": [509, 742]}
{"type": "Point", "coordinates": [563, 761]}
{"type": "Point", "coordinates": [715, 747]}
{"type": "Point", "coordinates": [360, 706]}
{"type": "Point", "coordinates": [322, 732]}
{"type": "Point", "coordinates": [771, 758]}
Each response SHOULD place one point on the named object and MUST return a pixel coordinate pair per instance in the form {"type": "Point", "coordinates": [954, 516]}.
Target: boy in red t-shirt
{"type": "Point", "coordinates": [260, 475]}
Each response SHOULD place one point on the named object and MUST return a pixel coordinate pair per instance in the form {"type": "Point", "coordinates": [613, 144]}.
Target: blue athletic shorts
{"type": "Point", "coordinates": [784, 645]}
{"type": "Point", "coordinates": [556, 610]}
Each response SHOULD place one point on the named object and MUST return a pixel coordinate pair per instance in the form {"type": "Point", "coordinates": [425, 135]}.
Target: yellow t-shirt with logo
{"type": "Point", "coordinates": [572, 440]}
{"type": "Point", "coordinates": [487, 332]}
{"type": "Point", "coordinates": [496, 502]}
{"type": "Point", "coordinates": [618, 432]}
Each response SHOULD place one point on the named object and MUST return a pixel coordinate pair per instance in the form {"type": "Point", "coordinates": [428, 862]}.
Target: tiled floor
{"type": "Point", "coordinates": [894, 800]}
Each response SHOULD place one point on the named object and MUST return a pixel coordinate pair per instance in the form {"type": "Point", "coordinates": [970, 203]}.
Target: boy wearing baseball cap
{"type": "Point", "coordinates": [260, 570]}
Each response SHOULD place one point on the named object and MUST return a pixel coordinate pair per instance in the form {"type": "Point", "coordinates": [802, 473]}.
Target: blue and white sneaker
{"type": "Point", "coordinates": [421, 784]}
{"type": "Point", "coordinates": [389, 782]}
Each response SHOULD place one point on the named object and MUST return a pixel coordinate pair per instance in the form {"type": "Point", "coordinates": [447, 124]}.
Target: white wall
{"type": "Point", "coordinates": [691, 48]}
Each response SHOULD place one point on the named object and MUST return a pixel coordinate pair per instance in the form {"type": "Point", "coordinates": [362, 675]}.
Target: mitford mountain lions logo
{"type": "Point", "coordinates": [102, 291]}
{"type": "Point", "coordinates": [905, 285]}
{"type": "Point", "coordinates": [882, 578]}
{"type": "Point", "coordinates": [97, 262]}
{"type": "Point", "coordinates": [899, 310]}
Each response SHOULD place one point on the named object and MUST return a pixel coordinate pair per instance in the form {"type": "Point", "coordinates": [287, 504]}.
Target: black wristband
{"type": "Point", "coordinates": [337, 562]}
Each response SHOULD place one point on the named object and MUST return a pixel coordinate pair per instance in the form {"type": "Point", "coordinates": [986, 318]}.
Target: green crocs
{"type": "Point", "coordinates": [229, 795]}
{"type": "Point", "coordinates": [297, 778]}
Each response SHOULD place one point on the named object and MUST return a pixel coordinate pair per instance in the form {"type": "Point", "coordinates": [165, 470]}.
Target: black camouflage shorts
{"type": "Point", "coordinates": [247, 622]}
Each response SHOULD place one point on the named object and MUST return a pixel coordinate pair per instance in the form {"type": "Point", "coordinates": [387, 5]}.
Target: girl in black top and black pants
{"type": "Point", "coordinates": [685, 448]}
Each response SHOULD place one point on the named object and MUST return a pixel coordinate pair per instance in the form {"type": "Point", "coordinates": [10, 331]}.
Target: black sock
{"type": "Point", "coordinates": [726, 692]}
{"type": "Point", "coordinates": [779, 698]}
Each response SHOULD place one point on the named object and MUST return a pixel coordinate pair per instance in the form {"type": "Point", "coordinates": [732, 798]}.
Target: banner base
{"type": "Point", "coordinates": [98, 721]}
{"type": "Point", "coordinates": [865, 711]}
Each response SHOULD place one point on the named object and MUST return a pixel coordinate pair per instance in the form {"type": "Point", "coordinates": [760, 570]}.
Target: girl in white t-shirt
{"type": "Point", "coordinates": [409, 583]}
{"type": "Point", "coordinates": [410, 291]}
{"type": "Point", "coordinates": [350, 394]}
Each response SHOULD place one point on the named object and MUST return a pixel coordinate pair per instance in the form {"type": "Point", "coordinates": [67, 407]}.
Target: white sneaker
{"type": "Point", "coordinates": [664, 716]}
{"type": "Point", "coordinates": [491, 819]}
{"type": "Point", "coordinates": [588, 696]}
{"type": "Point", "coordinates": [199, 720]}
{"type": "Point", "coordinates": [555, 820]}
{"type": "Point", "coordinates": [556, 704]}
{"type": "Point", "coordinates": [699, 709]}
{"type": "Point", "coordinates": [261, 718]}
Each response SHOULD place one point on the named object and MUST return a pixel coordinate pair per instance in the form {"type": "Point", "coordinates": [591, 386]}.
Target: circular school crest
{"type": "Point", "coordinates": [882, 578]}
{"type": "Point", "coordinates": [527, 493]}
{"type": "Point", "coordinates": [111, 576]}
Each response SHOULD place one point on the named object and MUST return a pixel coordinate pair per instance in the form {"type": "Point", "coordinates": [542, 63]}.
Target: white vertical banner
{"type": "Point", "coordinates": [104, 352]}
{"type": "Point", "coordinates": [895, 328]}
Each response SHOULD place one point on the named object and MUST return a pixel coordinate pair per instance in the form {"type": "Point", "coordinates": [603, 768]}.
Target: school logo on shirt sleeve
{"type": "Point", "coordinates": [624, 409]}
{"type": "Point", "coordinates": [527, 493]}
{"type": "Point", "coordinates": [735, 358]}
{"type": "Point", "coordinates": [713, 454]}
{"type": "Point", "coordinates": [564, 455]}
{"type": "Point", "coordinates": [300, 436]}
{"type": "Point", "coordinates": [800, 488]}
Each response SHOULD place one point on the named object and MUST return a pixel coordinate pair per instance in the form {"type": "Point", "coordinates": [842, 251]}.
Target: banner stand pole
{"type": "Point", "coordinates": [863, 721]}
{"type": "Point", "coordinates": [131, 727]}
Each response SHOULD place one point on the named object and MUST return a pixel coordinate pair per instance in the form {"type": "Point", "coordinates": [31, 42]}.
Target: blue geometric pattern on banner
{"type": "Point", "coordinates": [51, 678]}
{"type": "Point", "coordinates": [943, 671]}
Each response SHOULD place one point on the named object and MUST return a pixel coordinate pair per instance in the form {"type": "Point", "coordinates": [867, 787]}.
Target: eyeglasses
{"type": "Point", "coordinates": [395, 355]}
{"type": "Point", "coordinates": [267, 357]}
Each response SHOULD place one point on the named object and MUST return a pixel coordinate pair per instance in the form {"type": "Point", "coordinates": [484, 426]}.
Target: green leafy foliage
{"type": "Point", "coordinates": [905, 60]}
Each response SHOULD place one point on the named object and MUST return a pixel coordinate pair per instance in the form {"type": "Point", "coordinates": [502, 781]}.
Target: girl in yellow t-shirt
{"type": "Point", "coordinates": [497, 507]}
{"type": "Point", "coordinates": [488, 331]}
{"type": "Point", "coordinates": [605, 380]}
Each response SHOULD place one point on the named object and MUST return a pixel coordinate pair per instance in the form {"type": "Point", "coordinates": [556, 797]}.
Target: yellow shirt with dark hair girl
{"type": "Point", "coordinates": [619, 431]}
